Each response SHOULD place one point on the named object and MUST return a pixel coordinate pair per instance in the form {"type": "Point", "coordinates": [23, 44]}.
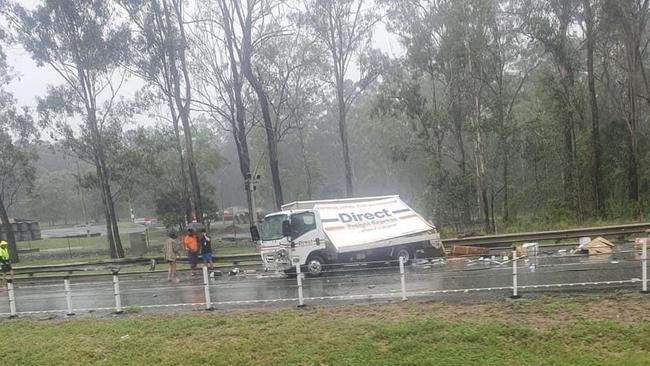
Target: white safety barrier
{"type": "Point", "coordinates": [402, 277]}
{"type": "Point", "coordinates": [301, 300]}
{"type": "Point", "coordinates": [515, 293]}
{"type": "Point", "coordinates": [12, 299]}
{"type": "Point", "coordinates": [644, 267]}
{"type": "Point", "coordinates": [68, 296]}
{"type": "Point", "coordinates": [116, 293]}
{"type": "Point", "coordinates": [206, 289]}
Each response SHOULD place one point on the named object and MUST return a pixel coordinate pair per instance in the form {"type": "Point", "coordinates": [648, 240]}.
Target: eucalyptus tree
{"type": "Point", "coordinates": [17, 156]}
{"type": "Point", "coordinates": [160, 56]}
{"type": "Point", "coordinates": [219, 83]}
{"type": "Point", "coordinates": [629, 21]}
{"type": "Point", "coordinates": [344, 28]}
{"type": "Point", "coordinates": [84, 43]}
{"type": "Point", "coordinates": [246, 26]}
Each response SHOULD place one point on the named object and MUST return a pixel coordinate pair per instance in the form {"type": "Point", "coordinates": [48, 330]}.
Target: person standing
{"type": "Point", "coordinates": [192, 246]}
{"type": "Point", "coordinates": [5, 263]}
{"type": "Point", "coordinates": [171, 252]}
{"type": "Point", "coordinates": [206, 251]}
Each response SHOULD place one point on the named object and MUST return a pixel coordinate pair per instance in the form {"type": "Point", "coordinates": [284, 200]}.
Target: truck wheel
{"type": "Point", "coordinates": [403, 252]}
{"type": "Point", "coordinates": [315, 265]}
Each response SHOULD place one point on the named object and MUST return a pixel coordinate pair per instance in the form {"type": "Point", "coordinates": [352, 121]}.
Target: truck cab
{"type": "Point", "coordinates": [290, 237]}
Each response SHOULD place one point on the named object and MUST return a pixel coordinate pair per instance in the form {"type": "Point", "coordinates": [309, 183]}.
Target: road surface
{"type": "Point", "coordinates": [479, 280]}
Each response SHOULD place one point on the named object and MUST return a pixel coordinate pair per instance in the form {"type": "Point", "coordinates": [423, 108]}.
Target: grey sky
{"type": "Point", "coordinates": [32, 81]}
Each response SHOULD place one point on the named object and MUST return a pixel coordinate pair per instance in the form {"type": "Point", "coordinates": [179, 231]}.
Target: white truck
{"type": "Point", "coordinates": [334, 232]}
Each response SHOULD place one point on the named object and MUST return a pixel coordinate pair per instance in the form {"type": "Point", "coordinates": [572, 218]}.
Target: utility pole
{"type": "Point", "coordinates": [250, 184]}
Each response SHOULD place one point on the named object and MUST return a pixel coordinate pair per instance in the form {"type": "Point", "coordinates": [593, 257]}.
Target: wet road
{"type": "Point", "coordinates": [359, 284]}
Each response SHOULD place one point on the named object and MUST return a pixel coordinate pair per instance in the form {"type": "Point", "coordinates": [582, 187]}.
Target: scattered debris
{"type": "Point", "coordinates": [638, 243]}
{"type": "Point", "coordinates": [468, 250]}
{"type": "Point", "coordinates": [562, 252]}
{"type": "Point", "coordinates": [126, 336]}
{"type": "Point", "coordinates": [599, 245]}
{"type": "Point", "coordinates": [532, 249]}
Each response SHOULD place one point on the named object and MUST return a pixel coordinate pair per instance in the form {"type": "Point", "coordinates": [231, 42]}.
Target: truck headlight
{"type": "Point", "coordinates": [281, 254]}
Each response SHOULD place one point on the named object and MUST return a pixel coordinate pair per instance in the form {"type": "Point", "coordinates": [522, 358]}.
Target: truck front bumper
{"type": "Point", "coordinates": [276, 260]}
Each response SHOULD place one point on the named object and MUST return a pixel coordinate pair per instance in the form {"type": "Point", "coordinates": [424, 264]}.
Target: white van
{"type": "Point", "coordinates": [367, 229]}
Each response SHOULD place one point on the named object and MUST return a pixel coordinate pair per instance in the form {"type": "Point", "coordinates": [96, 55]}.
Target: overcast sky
{"type": "Point", "coordinates": [32, 81]}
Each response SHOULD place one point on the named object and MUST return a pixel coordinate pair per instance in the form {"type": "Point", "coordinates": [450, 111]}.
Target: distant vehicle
{"type": "Point", "coordinates": [317, 233]}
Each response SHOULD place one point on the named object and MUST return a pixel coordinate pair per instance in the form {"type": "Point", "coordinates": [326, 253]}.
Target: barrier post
{"type": "Point", "coordinates": [644, 267]}
{"type": "Point", "coordinates": [12, 299]}
{"type": "Point", "coordinates": [68, 295]}
{"type": "Point", "coordinates": [515, 293]}
{"type": "Point", "coordinates": [301, 300]}
{"type": "Point", "coordinates": [116, 291]}
{"type": "Point", "coordinates": [402, 277]}
{"type": "Point", "coordinates": [206, 288]}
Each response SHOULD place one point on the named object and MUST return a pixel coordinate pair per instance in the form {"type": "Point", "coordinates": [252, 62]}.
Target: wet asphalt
{"type": "Point", "coordinates": [451, 279]}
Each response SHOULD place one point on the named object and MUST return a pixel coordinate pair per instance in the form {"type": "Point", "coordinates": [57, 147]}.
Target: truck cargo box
{"type": "Point", "coordinates": [368, 223]}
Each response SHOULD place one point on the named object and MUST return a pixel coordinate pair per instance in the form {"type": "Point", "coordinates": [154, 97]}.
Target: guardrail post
{"type": "Point", "coordinates": [644, 267]}
{"type": "Point", "coordinates": [68, 295]}
{"type": "Point", "coordinates": [12, 298]}
{"type": "Point", "coordinates": [206, 289]}
{"type": "Point", "coordinates": [402, 277]}
{"type": "Point", "coordinates": [515, 294]}
{"type": "Point", "coordinates": [301, 300]}
{"type": "Point", "coordinates": [116, 291]}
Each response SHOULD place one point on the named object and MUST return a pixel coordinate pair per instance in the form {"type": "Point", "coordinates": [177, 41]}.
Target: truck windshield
{"type": "Point", "coordinates": [271, 227]}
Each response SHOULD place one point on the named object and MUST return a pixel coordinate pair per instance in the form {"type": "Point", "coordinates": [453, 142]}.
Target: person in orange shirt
{"type": "Point", "coordinates": [191, 243]}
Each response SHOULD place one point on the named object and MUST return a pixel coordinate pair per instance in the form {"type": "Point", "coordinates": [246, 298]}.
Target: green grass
{"type": "Point", "coordinates": [434, 333]}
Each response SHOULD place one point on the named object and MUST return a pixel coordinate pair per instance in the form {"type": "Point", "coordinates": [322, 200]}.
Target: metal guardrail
{"type": "Point", "coordinates": [86, 266]}
{"type": "Point", "coordinates": [492, 241]}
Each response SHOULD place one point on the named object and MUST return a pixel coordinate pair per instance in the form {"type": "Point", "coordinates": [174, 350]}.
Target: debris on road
{"type": "Point", "coordinates": [528, 250]}
{"type": "Point", "coordinates": [599, 245]}
{"type": "Point", "coordinates": [468, 250]}
{"type": "Point", "coordinates": [638, 243]}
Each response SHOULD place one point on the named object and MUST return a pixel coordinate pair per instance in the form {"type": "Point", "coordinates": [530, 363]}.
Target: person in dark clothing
{"type": "Point", "coordinates": [206, 250]}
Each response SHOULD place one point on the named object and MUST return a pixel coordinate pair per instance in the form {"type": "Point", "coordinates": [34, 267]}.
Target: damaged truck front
{"type": "Point", "coordinates": [319, 234]}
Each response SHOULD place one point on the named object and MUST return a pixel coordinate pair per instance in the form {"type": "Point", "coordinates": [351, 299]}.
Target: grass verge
{"type": "Point", "coordinates": [548, 331]}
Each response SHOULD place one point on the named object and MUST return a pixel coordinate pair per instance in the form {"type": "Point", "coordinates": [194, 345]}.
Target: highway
{"type": "Point", "coordinates": [475, 280]}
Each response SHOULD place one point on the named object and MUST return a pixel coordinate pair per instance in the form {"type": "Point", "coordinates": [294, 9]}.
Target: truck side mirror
{"type": "Point", "coordinates": [286, 228]}
{"type": "Point", "coordinates": [255, 234]}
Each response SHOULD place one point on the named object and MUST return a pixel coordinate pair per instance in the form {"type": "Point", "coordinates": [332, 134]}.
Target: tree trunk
{"type": "Point", "coordinates": [185, 192]}
{"type": "Point", "coordinates": [119, 251]}
{"type": "Point", "coordinates": [506, 183]}
{"type": "Point", "coordinates": [596, 146]}
{"type": "Point", "coordinates": [112, 251]}
{"type": "Point", "coordinates": [479, 151]}
{"type": "Point", "coordinates": [343, 133]}
{"type": "Point", "coordinates": [11, 238]}
{"type": "Point", "coordinates": [305, 161]}
{"type": "Point", "coordinates": [633, 65]}
{"type": "Point", "coordinates": [112, 230]}
{"type": "Point", "coordinates": [271, 140]}
{"type": "Point", "coordinates": [238, 111]}
{"type": "Point", "coordinates": [182, 104]}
